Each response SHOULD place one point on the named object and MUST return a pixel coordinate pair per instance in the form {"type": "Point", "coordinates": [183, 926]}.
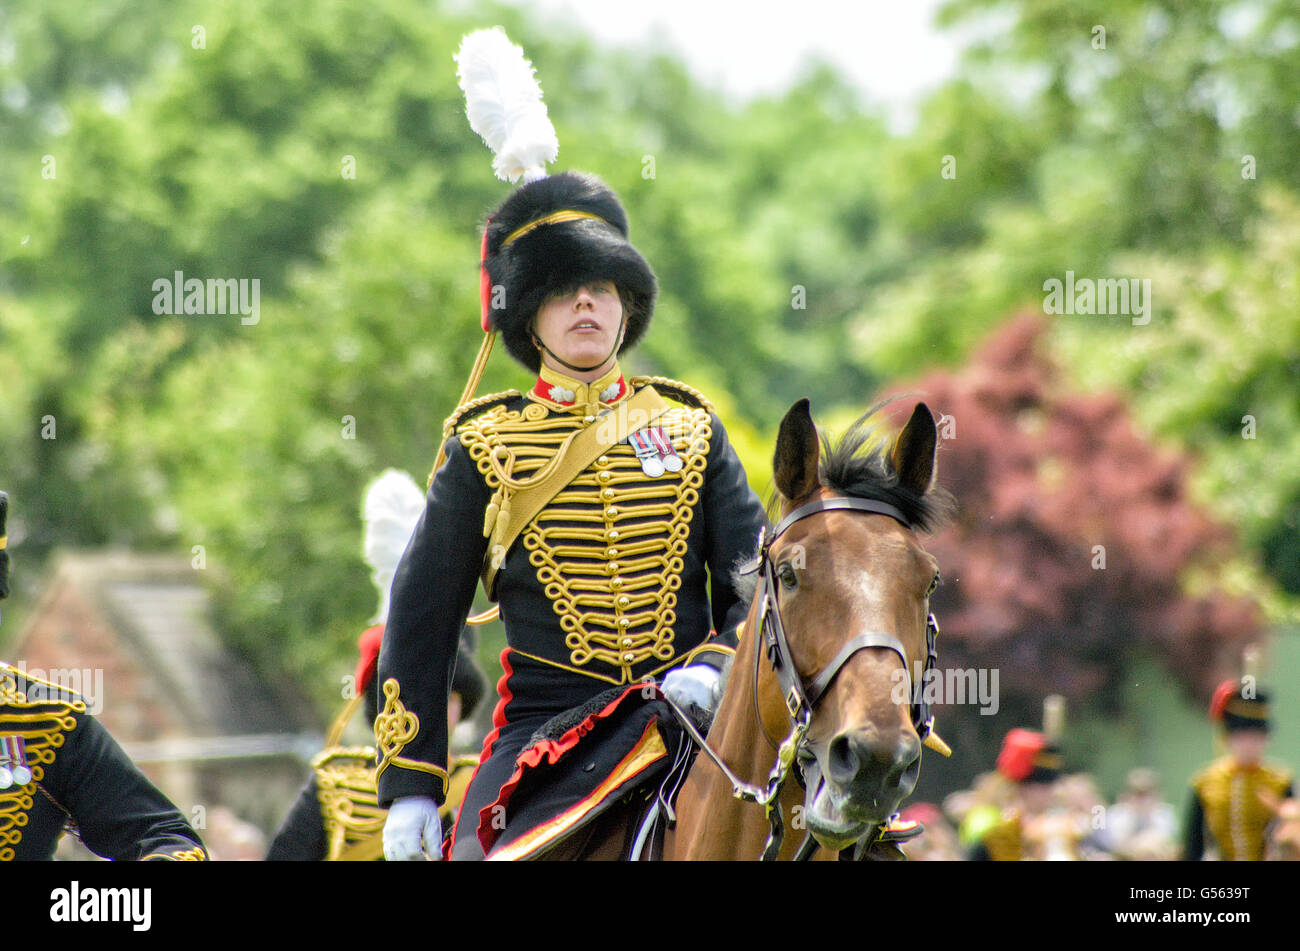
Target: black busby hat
{"type": "Point", "coordinates": [1239, 705]}
{"type": "Point", "coordinates": [552, 235]}
{"type": "Point", "coordinates": [4, 554]}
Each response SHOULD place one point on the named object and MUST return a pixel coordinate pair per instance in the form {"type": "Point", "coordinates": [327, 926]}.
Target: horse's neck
{"type": "Point", "coordinates": [713, 824]}
{"type": "Point", "coordinates": [737, 734]}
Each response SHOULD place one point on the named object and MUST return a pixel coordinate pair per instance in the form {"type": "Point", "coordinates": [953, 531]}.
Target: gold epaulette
{"type": "Point", "coordinates": [466, 410]}
{"type": "Point", "coordinates": [675, 390]}
{"type": "Point", "coordinates": [473, 407]}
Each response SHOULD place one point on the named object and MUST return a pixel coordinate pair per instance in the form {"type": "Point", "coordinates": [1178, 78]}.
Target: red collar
{"type": "Point", "coordinates": [560, 390]}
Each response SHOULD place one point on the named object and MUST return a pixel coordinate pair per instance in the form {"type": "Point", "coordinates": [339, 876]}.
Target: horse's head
{"type": "Point", "coordinates": [852, 588]}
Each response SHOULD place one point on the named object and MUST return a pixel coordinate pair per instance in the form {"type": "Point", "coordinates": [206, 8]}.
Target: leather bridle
{"type": "Point", "coordinates": [800, 700]}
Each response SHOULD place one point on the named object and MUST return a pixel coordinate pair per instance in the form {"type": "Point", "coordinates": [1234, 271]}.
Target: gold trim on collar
{"type": "Point", "coordinates": [585, 395]}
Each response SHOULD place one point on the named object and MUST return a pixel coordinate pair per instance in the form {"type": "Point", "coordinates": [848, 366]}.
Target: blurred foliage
{"type": "Point", "coordinates": [1070, 554]}
{"type": "Point", "coordinates": [1220, 372]}
{"type": "Point", "coordinates": [802, 249]}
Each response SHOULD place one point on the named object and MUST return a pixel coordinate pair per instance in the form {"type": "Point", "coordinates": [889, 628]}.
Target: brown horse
{"type": "Point", "coordinates": [840, 575]}
{"type": "Point", "coordinates": [847, 587]}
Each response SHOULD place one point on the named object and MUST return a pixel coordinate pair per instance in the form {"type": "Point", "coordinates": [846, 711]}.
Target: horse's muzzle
{"type": "Point", "coordinates": [872, 774]}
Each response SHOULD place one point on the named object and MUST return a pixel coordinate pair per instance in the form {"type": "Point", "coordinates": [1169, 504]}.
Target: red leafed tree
{"type": "Point", "coordinates": [1070, 545]}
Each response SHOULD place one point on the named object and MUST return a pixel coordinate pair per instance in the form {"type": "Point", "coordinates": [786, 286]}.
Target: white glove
{"type": "Point", "coordinates": [696, 689]}
{"type": "Point", "coordinates": [410, 819]}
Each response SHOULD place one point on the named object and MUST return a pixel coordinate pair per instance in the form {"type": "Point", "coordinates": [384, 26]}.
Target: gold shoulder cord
{"type": "Point", "coordinates": [678, 390]}
{"type": "Point", "coordinates": [468, 407]}
{"type": "Point", "coordinates": [44, 726]}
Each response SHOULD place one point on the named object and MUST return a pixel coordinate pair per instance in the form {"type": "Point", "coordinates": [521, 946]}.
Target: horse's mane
{"type": "Point", "coordinates": [857, 464]}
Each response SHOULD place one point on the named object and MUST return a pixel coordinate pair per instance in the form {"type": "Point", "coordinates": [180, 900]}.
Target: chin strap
{"type": "Point", "coordinates": [618, 338]}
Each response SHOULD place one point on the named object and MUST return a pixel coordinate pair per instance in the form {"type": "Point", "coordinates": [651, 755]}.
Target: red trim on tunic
{"type": "Point", "coordinates": [551, 751]}
{"type": "Point", "coordinates": [498, 721]}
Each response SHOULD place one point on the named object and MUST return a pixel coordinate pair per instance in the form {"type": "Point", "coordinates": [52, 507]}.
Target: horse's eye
{"type": "Point", "coordinates": [787, 576]}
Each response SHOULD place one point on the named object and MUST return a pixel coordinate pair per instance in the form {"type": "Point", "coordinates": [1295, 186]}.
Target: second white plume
{"type": "Point", "coordinates": [393, 505]}
{"type": "Point", "coordinates": [504, 105]}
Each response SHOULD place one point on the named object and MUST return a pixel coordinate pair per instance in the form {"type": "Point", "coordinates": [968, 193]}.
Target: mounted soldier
{"type": "Point", "coordinates": [1234, 799]}
{"type": "Point", "coordinates": [604, 520]}
{"type": "Point", "coordinates": [60, 770]}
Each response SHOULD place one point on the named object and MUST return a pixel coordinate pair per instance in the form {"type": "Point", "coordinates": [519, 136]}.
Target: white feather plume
{"type": "Point", "coordinates": [393, 505]}
{"type": "Point", "coordinates": [504, 105]}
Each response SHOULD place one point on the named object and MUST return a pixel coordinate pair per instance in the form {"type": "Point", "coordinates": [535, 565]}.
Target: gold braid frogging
{"type": "Point", "coordinates": [608, 549]}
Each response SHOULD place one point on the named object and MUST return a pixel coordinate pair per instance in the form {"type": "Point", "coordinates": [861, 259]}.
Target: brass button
{"type": "Point", "coordinates": [613, 534]}
{"type": "Point", "coordinates": [613, 567]}
{"type": "Point", "coordinates": [603, 477]}
{"type": "Point", "coordinates": [607, 494]}
{"type": "Point", "coordinates": [624, 622]}
{"type": "Point", "coordinates": [616, 583]}
{"type": "Point", "coordinates": [629, 657]}
{"type": "Point", "coordinates": [627, 642]}
{"type": "Point", "coordinates": [589, 419]}
{"type": "Point", "coordinates": [613, 553]}
{"type": "Point", "coordinates": [612, 510]}
{"type": "Point", "coordinates": [603, 461]}
{"type": "Point", "coordinates": [624, 601]}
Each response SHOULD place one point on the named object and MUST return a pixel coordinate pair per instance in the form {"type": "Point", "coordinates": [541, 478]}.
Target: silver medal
{"type": "Point", "coordinates": [645, 450]}
{"type": "Point", "coordinates": [6, 777]}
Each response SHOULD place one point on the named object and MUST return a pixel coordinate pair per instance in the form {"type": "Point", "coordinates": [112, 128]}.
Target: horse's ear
{"type": "Point", "coordinates": [913, 453]}
{"type": "Point", "coordinates": [794, 465]}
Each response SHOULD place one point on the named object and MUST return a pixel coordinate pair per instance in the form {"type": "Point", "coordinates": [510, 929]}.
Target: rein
{"type": "Point", "coordinates": [800, 701]}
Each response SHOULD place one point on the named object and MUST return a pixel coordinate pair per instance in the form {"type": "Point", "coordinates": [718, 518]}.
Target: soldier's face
{"type": "Point", "coordinates": [582, 326]}
{"type": "Point", "coordinates": [1247, 746]}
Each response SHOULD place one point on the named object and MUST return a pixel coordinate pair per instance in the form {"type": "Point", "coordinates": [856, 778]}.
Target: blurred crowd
{"type": "Point", "coordinates": [1063, 819]}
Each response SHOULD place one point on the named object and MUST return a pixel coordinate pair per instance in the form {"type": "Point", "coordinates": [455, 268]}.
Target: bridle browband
{"type": "Point", "coordinates": [800, 700]}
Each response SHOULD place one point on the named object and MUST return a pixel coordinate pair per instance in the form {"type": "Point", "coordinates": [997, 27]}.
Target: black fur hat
{"type": "Point", "coordinates": [555, 256]}
{"type": "Point", "coordinates": [1240, 707]}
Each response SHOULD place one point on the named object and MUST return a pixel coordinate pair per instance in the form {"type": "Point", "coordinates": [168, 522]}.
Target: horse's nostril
{"type": "Point", "coordinates": [907, 762]}
{"type": "Point", "coordinates": [853, 759]}
{"type": "Point", "coordinates": [841, 760]}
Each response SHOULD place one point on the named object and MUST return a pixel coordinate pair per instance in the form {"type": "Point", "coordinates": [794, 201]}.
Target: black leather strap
{"type": "Point", "coordinates": [840, 502]}
{"type": "Point", "coordinates": [871, 639]}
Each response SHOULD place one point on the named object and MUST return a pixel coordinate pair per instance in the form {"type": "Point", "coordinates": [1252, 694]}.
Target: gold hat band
{"type": "Point", "coordinates": [1247, 709]}
{"type": "Point", "coordinates": [555, 217]}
